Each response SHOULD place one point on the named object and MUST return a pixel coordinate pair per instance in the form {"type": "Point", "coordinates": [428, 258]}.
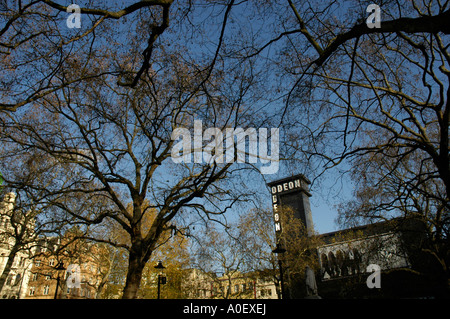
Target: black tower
{"type": "Point", "coordinates": [291, 192]}
{"type": "Point", "coordinates": [294, 193]}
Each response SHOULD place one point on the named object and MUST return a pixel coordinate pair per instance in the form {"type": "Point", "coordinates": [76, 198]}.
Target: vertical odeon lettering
{"type": "Point", "coordinates": [280, 188]}
{"type": "Point", "coordinates": [276, 215]}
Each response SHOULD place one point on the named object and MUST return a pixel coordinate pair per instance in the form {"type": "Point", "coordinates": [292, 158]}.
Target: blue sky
{"type": "Point", "coordinates": [324, 196]}
{"type": "Point", "coordinates": [329, 192]}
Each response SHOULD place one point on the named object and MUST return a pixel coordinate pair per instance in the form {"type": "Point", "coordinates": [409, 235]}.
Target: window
{"type": "Point", "coordinates": [3, 221]}
{"type": "Point", "coordinates": [46, 289]}
{"type": "Point", "coordinates": [332, 264]}
{"type": "Point", "coordinates": [324, 262]}
{"type": "Point", "coordinates": [37, 263]}
{"type": "Point", "coordinates": [17, 281]}
{"type": "Point", "coordinates": [9, 280]}
{"type": "Point", "coordinates": [47, 277]}
{"type": "Point", "coordinates": [32, 290]}
{"type": "Point", "coordinates": [51, 262]}
{"type": "Point", "coordinates": [34, 277]}
{"type": "Point", "coordinates": [236, 288]}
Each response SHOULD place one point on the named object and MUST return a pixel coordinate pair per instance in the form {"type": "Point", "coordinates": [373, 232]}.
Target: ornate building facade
{"type": "Point", "coordinates": [16, 280]}
{"type": "Point", "coordinates": [236, 285]}
{"type": "Point", "coordinates": [44, 267]}
{"type": "Point", "coordinates": [349, 259]}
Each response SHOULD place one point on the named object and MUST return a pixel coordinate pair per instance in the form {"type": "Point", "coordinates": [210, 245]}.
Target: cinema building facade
{"type": "Point", "coordinates": [379, 260]}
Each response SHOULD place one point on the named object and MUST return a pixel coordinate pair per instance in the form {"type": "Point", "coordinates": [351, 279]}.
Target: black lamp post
{"type": "Point", "coordinates": [58, 268]}
{"type": "Point", "coordinates": [161, 278]}
{"type": "Point", "coordinates": [280, 250]}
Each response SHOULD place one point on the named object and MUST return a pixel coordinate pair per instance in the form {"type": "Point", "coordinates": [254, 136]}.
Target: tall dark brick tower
{"type": "Point", "coordinates": [294, 193]}
{"type": "Point", "coordinates": [291, 192]}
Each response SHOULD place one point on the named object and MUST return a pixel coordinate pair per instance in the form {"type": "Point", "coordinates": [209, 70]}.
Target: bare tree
{"type": "Point", "coordinates": [256, 240]}
{"type": "Point", "coordinates": [25, 216]}
{"type": "Point", "coordinates": [374, 102]}
{"type": "Point", "coordinates": [36, 44]}
{"type": "Point", "coordinates": [109, 126]}
{"type": "Point", "coordinates": [404, 194]}
{"type": "Point", "coordinates": [351, 90]}
{"type": "Point", "coordinates": [218, 252]}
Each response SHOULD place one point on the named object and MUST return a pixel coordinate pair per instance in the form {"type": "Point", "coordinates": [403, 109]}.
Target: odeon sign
{"type": "Point", "coordinates": [286, 186]}
{"type": "Point", "coordinates": [281, 188]}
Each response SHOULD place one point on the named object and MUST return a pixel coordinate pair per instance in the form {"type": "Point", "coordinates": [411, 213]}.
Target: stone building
{"type": "Point", "coordinates": [41, 262]}
{"type": "Point", "coordinates": [350, 258]}
{"type": "Point", "coordinates": [60, 271]}
{"type": "Point", "coordinates": [235, 285]}
{"type": "Point", "coordinates": [17, 279]}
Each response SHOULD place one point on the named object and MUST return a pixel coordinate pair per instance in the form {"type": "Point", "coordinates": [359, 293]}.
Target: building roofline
{"type": "Point", "coordinates": [384, 226]}
{"type": "Point", "coordinates": [289, 178]}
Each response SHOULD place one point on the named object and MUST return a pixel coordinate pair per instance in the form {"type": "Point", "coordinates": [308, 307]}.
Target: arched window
{"type": "Point", "coordinates": [346, 263]}
{"type": "Point", "coordinates": [9, 281]}
{"type": "Point", "coordinates": [356, 262]}
{"type": "Point", "coordinates": [325, 266]}
{"type": "Point", "coordinates": [339, 262]}
{"type": "Point", "coordinates": [332, 264]}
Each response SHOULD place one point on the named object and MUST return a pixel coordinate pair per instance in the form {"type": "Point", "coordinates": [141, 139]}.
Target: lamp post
{"type": "Point", "coordinates": [161, 277]}
{"type": "Point", "coordinates": [58, 268]}
{"type": "Point", "coordinates": [280, 250]}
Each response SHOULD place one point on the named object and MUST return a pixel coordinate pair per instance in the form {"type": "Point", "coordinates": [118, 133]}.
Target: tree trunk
{"type": "Point", "coordinates": [134, 275]}
{"type": "Point", "coordinates": [8, 267]}
{"type": "Point", "coordinates": [105, 277]}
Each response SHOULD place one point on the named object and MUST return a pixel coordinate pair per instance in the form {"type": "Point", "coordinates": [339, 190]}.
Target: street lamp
{"type": "Point", "coordinates": [161, 278]}
{"type": "Point", "coordinates": [280, 250]}
{"type": "Point", "coordinates": [58, 268]}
